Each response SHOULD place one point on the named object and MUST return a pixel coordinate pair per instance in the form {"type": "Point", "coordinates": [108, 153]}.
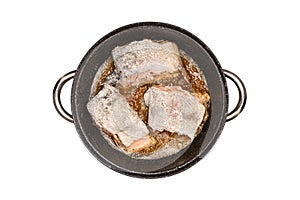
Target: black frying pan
{"type": "Point", "coordinates": [93, 139]}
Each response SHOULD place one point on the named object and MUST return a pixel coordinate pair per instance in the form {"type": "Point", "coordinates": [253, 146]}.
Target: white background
{"type": "Point", "coordinates": [257, 155]}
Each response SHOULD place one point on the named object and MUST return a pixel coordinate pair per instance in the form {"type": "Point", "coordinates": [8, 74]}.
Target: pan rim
{"type": "Point", "coordinates": [159, 174]}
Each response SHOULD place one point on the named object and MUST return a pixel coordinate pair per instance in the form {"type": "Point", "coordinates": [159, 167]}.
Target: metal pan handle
{"type": "Point", "coordinates": [242, 95]}
{"type": "Point", "coordinates": [228, 74]}
{"type": "Point", "coordinates": [56, 95]}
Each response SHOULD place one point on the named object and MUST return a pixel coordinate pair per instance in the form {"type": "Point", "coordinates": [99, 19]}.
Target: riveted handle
{"type": "Point", "coordinates": [56, 96]}
{"type": "Point", "coordinates": [242, 95]}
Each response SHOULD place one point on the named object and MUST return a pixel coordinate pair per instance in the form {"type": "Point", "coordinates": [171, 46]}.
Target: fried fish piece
{"type": "Point", "coordinates": [110, 110]}
{"type": "Point", "coordinates": [142, 62]}
{"type": "Point", "coordinates": [173, 109]}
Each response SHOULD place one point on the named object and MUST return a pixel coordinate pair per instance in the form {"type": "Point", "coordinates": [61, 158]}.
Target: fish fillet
{"type": "Point", "coordinates": [144, 61]}
{"type": "Point", "coordinates": [110, 110]}
{"type": "Point", "coordinates": [173, 109]}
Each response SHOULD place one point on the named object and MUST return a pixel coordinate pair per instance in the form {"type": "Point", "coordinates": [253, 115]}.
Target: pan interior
{"type": "Point", "coordinates": [99, 146]}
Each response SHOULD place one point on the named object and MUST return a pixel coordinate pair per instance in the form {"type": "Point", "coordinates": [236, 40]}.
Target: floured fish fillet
{"type": "Point", "coordinates": [145, 61]}
{"type": "Point", "coordinates": [173, 109]}
{"type": "Point", "coordinates": [111, 111]}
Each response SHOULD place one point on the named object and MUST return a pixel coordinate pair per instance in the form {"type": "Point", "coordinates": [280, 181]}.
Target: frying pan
{"type": "Point", "coordinates": [99, 146]}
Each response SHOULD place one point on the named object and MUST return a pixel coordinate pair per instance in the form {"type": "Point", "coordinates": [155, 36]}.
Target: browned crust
{"type": "Point", "coordinates": [160, 139]}
{"type": "Point", "coordinates": [114, 138]}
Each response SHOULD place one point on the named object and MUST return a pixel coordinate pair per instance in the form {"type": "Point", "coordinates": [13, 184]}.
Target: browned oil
{"type": "Point", "coordinates": [109, 69]}
{"type": "Point", "coordinates": [136, 102]}
{"type": "Point", "coordinates": [198, 83]}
